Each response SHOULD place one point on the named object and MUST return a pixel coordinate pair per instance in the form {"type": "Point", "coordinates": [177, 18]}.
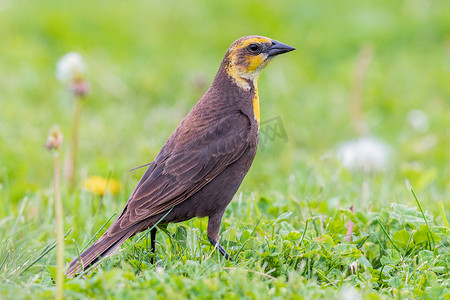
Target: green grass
{"type": "Point", "coordinates": [148, 64]}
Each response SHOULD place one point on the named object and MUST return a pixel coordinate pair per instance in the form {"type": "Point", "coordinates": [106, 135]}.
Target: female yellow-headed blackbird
{"type": "Point", "coordinates": [201, 166]}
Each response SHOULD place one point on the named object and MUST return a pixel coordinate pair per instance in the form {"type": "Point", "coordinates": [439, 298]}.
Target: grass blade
{"type": "Point", "coordinates": [442, 211]}
{"type": "Point", "coordinates": [387, 234]}
{"type": "Point", "coordinates": [423, 215]}
{"type": "Point", "coordinates": [44, 252]}
{"type": "Point", "coordinates": [251, 235]}
{"type": "Point", "coordinates": [95, 235]}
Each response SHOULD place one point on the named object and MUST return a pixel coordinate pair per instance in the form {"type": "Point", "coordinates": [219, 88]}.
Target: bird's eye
{"type": "Point", "coordinates": [254, 48]}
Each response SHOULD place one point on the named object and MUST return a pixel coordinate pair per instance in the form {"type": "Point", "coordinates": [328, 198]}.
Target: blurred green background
{"type": "Point", "coordinates": [149, 62]}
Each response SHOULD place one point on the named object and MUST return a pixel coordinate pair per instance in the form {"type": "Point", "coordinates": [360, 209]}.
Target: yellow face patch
{"type": "Point", "coordinates": [245, 65]}
{"type": "Point", "coordinates": [254, 62]}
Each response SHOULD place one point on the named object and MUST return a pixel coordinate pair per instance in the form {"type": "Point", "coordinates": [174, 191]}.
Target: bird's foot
{"type": "Point", "coordinates": [220, 248]}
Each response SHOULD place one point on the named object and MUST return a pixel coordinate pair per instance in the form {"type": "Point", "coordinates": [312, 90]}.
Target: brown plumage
{"type": "Point", "coordinates": [202, 164]}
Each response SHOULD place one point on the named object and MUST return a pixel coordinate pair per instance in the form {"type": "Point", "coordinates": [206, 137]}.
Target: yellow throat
{"type": "Point", "coordinates": [256, 109]}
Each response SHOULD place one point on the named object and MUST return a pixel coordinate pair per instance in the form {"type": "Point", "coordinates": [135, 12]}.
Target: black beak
{"type": "Point", "coordinates": [278, 48]}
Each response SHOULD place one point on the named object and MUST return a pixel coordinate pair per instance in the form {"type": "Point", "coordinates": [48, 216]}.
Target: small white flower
{"type": "Point", "coordinates": [353, 267]}
{"type": "Point", "coordinates": [70, 67]}
{"type": "Point", "coordinates": [418, 120]}
{"type": "Point", "coordinates": [365, 154]}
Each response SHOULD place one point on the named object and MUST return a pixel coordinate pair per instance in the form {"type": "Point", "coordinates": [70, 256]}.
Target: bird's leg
{"type": "Point", "coordinates": [152, 244]}
{"type": "Point", "coordinates": [213, 233]}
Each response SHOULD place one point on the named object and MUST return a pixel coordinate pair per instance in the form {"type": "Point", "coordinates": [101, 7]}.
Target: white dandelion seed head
{"type": "Point", "coordinates": [70, 67]}
{"type": "Point", "coordinates": [418, 120]}
{"type": "Point", "coordinates": [350, 293]}
{"type": "Point", "coordinates": [364, 154]}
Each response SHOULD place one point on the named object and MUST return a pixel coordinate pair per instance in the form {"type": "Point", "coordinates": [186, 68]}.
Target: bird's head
{"type": "Point", "coordinates": [247, 56]}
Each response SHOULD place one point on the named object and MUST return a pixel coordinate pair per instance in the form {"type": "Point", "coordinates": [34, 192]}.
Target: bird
{"type": "Point", "coordinates": [202, 164]}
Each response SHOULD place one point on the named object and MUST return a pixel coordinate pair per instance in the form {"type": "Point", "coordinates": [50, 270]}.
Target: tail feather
{"type": "Point", "coordinates": [100, 249]}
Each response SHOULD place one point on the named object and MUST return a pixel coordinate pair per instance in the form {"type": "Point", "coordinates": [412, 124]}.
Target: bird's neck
{"type": "Point", "coordinates": [242, 90]}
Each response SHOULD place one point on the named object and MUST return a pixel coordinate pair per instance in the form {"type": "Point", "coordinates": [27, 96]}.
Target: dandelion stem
{"type": "Point", "coordinates": [362, 63]}
{"type": "Point", "coordinates": [74, 147]}
{"type": "Point", "coordinates": [59, 229]}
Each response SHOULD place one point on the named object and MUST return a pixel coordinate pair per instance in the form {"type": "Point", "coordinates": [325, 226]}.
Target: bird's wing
{"type": "Point", "coordinates": [182, 168]}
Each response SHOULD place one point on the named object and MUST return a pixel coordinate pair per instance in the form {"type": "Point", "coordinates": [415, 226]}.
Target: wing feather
{"type": "Point", "coordinates": [186, 163]}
